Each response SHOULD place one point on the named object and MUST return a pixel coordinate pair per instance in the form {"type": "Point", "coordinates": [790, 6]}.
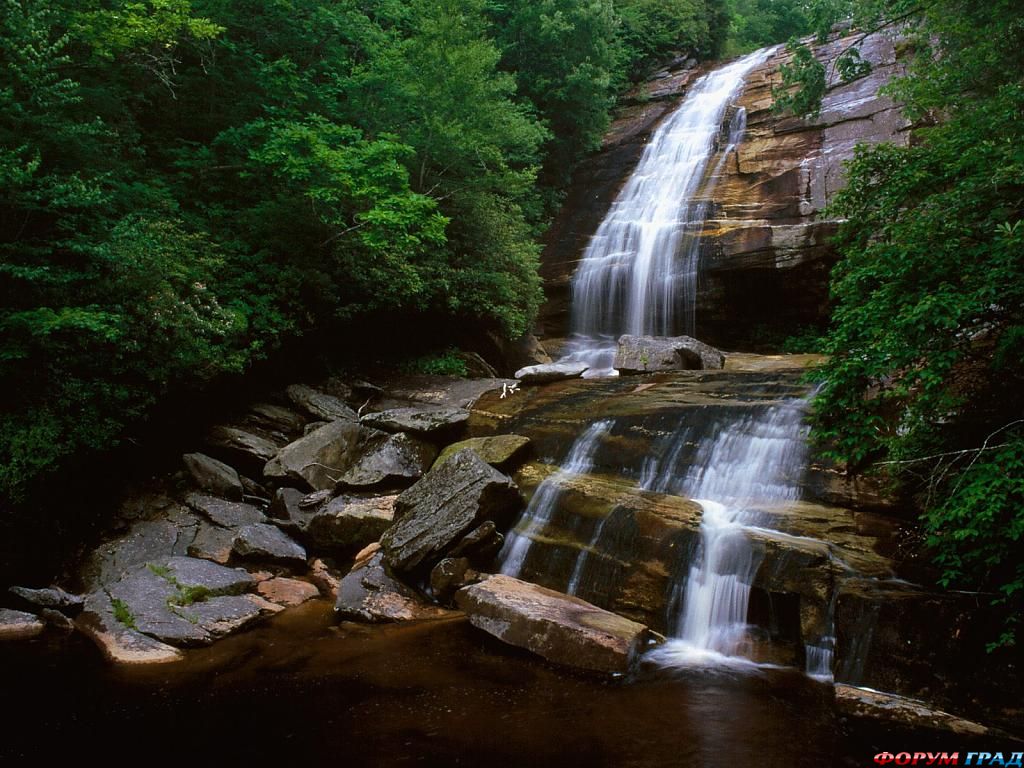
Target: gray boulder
{"type": "Point", "coordinates": [561, 628]}
{"type": "Point", "coordinates": [443, 507]}
{"type": "Point", "coordinates": [227, 514]}
{"type": "Point", "coordinates": [54, 598]}
{"type": "Point", "coordinates": [214, 476]}
{"type": "Point", "coordinates": [542, 374]}
{"type": "Point", "coordinates": [420, 420]}
{"type": "Point", "coordinates": [276, 418]}
{"type": "Point", "coordinates": [369, 594]}
{"type": "Point", "coordinates": [119, 642]}
{"type": "Point", "coordinates": [350, 524]}
{"type": "Point", "coordinates": [265, 542]}
{"type": "Point", "coordinates": [449, 576]}
{"type": "Point", "coordinates": [389, 460]}
{"type": "Point", "coordinates": [647, 354]}
{"type": "Point", "coordinates": [496, 450]}
{"type": "Point", "coordinates": [316, 461]}
{"type": "Point", "coordinates": [245, 449]}
{"type": "Point", "coordinates": [318, 405]}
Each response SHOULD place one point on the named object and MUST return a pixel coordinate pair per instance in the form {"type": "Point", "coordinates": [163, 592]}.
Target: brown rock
{"type": "Point", "coordinates": [287, 592]}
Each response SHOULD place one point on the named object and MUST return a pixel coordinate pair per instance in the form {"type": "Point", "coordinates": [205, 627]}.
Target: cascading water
{"type": "Point", "coordinates": [637, 276]}
{"type": "Point", "coordinates": [756, 460]}
{"type": "Point", "coordinates": [538, 513]}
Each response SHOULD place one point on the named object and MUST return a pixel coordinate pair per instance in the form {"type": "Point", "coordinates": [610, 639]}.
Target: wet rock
{"type": "Point", "coordinates": [314, 500]}
{"type": "Point", "coordinates": [497, 450]}
{"type": "Point", "coordinates": [220, 616]}
{"type": "Point", "coordinates": [254, 491]}
{"type": "Point", "coordinates": [320, 406]}
{"type": "Point", "coordinates": [286, 505]}
{"type": "Point", "coordinates": [481, 544]}
{"type": "Point", "coordinates": [227, 514]}
{"type": "Point", "coordinates": [443, 507]}
{"type": "Point", "coordinates": [287, 592]}
{"type": "Point", "coordinates": [420, 420]}
{"type": "Point", "coordinates": [214, 476]}
{"type": "Point", "coordinates": [277, 418]}
{"type": "Point", "coordinates": [19, 625]}
{"type": "Point", "coordinates": [561, 628]}
{"type": "Point", "coordinates": [389, 461]}
{"type": "Point", "coordinates": [192, 573]}
{"type": "Point", "coordinates": [313, 426]}
{"type": "Point", "coordinates": [350, 523]}
{"type": "Point", "coordinates": [325, 577]}
{"type": "Point", "coordinates": [265, 542]}
{"type": "Point", "coordinates": [54, 619]}
{"type": "Point", "coordinates": [647, 354]}
{"type": "Point", "coordinates": [891, 708]}
{"type": "Point", "coordinates": [316, 461]}
{"type": "Point", "coordinates": [212, 543]}
{"type": "Point", "coordinates": [246, 449]}
{"type": "Point", "coordinates": [369, 594]}
{"type": "Point", "coordinates": [542, 374]}
{"type": "Point", "coordinates": [118, 642]}
{"type": "Point", "coordinates": [448, 577]}
{"type": "Point", "coordinates": [51, 597]}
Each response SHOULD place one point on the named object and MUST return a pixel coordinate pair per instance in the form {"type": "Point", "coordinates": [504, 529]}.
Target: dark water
{"type": "Point", "coordinates": [302, 690]}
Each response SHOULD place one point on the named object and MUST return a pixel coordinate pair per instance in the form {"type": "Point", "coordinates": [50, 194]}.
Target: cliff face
{"type": "Point", "coordinates": [765, 254]}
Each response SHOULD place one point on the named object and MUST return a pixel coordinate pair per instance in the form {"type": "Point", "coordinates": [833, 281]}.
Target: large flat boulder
{"type": "Point", "coordinates": [316, 461]}
{"type": "Point", "coordinates": [420, 419]}
{"type": "Point", "coordinates": [546, 372]}
{"type": "Point", "coordinates": [276, 418]}
{"type": "Point", "coordinates": [389, 460]}
{"type": "Point", "coordinates": [53, 598]}
{"type": "Point", "coordinates": [227, 514]}
{"type": "Point", "coordinates": [265, 542]}
{"type": "Point", "coordinates": [120, 643]}
{"type": "Point", "coordinates": [243, 447]}
{"type": "Point", "coordinates": [443, 507]}
{"type": "Point", "coordinates": [647, 354]}
{"type": "Point", "coordinates": [898, 710]}
{"type": "Point", "coordinates": [561, 628]}
{"type": "Point", "coordinates": [19, 625]}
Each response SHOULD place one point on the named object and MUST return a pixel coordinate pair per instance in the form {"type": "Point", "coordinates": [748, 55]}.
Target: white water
{"type": "Point", "coordinates": [637, 276]}
{"type": "Point", "coordinates": [544, 501]}
{"type": "Point", "coordinates": [753, 461]}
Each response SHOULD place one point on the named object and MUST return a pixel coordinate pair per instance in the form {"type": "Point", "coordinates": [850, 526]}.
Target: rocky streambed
{"type": "Point", "coordinates": [390, 504]}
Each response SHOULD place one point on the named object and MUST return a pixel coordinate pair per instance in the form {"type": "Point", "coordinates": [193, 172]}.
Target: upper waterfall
{"type": "Point", "coordinates": [637, 275]}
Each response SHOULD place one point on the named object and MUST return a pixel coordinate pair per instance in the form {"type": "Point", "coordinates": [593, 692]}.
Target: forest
{"type": "Point", "coordinates": [187, 187]}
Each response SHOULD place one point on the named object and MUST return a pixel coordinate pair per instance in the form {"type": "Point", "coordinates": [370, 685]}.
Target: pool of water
{"type": "Point", "coordinates": [302, 689]}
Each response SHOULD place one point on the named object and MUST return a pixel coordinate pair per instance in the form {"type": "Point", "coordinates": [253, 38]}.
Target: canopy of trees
{"type": "Point", "coordinates": [187, 184]}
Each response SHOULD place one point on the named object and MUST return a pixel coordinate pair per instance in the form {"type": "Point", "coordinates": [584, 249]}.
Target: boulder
{"type": "Point", "coordinates": [192, 573]}
{"type": "Point", "coordinates": [19, 625]}
{"type": "Point", "coordinates": [443, 507]}
{"type": "Point", "coordinates": [350, 523]}
{"type": "Point", "coordinates": [561, 628]}
{"type": "Point", "coordinates": [369, 594]}
{"type": "Point", "coordinates": [320, 406]}
{"type": "Point", "coordinates": [646, 354]}
{"type": "Point", "coordinates": [497, 450]}
{"type": "Point", "coordinates": [212, 543]}
{"type": "Point", "coordinates": [120, 643]}
{"type": "Point", "coordinates": [287, 592]}
{"type": "Point", "coordinates": [265, 542]}
{"type": "Point", "coordinates": [389, 461]}
{"type": "Point", "coordinates": [316, 461]}
{"type": "Point", "coordinates": [449, 576]}
{"type": "Point", "coordinates": [247, 449]}
{"type": "Point", "coordinates": [898, 710]}
{"type": "Point", "coordinates": [325, 577]}
{"type": "Point", "coordinates": [214, 476]}
{"type": "Point", "coordinates": [481, 544]}
{"type": "Point", "coordinates": [421, 420]}
{"type": "Point", "coordinates": [54, 598]}
{"type": "Point", "coordinates": [227, 514]}
{"type": "Point", "coordinates": [542, 374]}
{"type": "Point", "coordinates": [286, 505]}
{"type": "Point", "coordinates": [276, 418]}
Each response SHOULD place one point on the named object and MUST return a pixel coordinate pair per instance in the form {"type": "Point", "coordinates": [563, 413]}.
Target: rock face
{"type": "Point", "coordinates": [765, 253]}
{"type": "Point", "coordinates": [649, 354]}
{"type": "Point", "coordinates": [542, 374]}
{"type": "Point", "coordinates": [315, 462]}
{"type": "Point", "coordinates": [443, 507]}
{"type": "Point", "coordinates": [562, 629]}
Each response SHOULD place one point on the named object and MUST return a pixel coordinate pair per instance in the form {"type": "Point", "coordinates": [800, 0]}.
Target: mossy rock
{"type": "Point", "coordinates": [498, 450]}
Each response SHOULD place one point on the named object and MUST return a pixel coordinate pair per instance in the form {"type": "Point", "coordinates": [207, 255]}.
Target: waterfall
{"type": "Point", "coordinates": [545, 499]}
{"type": "Point", "coordinates": [638, 274]}
{"type": "Point", "coordinates": [758, 459]}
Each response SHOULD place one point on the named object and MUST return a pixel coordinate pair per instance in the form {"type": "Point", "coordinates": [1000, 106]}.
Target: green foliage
{"type": "Point", "coordinates": [447, 363]}
{"type": "Point", "coordinates": [653, 29]}
{"type": "Point", "coordinates": [759, 23]}
{"type": "Point", "coordinates": [803, 82]}
{"type": "Point", "coordinates": [123, 613]}
{"type": "Point", "coordinates": [927, 341]}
